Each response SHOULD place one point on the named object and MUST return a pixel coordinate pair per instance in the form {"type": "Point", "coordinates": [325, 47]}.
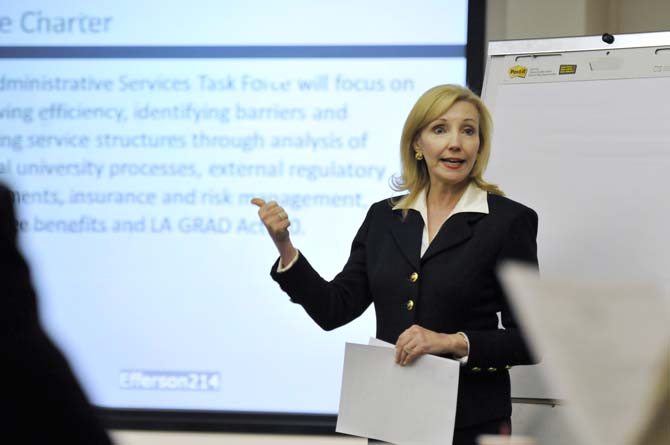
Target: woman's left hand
{"type": "Point", "coordinates": [417, 341]}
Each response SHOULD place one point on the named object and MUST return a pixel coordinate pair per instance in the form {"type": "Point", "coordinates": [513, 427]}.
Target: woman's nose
{"type": "Point", "coordinates": [454, 143]}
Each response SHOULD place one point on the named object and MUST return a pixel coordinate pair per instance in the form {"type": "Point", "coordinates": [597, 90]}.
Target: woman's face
{"type": "Point", "coordinates": [450, 144]}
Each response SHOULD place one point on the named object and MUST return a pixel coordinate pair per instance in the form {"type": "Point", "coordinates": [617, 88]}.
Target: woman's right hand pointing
{"type": "Point", "coordinates": [275, 219]}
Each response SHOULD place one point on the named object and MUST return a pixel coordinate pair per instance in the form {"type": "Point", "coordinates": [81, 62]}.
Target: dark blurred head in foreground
{"type": "Point", "coordinates": [42, 399]}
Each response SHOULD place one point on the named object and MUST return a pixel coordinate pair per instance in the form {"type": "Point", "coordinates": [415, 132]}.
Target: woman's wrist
{"type": "Point", "coordinates": [455, 344]}
{"type": "Point", "coordinates": [287, 251]}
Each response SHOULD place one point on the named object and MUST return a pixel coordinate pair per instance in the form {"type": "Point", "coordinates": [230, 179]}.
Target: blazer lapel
{"type": "Point", "coordinates": [407, 234]}
{"type": "Point", "coordinates": [453, 232]}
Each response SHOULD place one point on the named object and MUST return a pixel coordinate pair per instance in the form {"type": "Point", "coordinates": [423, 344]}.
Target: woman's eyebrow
{"type": "Point", "coordinates": [441, 119]}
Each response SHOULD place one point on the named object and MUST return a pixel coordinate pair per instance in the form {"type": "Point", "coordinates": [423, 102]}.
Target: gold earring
{"type": "Point", "coordinates": [418, 156]}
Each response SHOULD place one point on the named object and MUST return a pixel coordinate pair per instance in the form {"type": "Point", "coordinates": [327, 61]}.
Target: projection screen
{"type": "Point", "coordinates": [134, 135]}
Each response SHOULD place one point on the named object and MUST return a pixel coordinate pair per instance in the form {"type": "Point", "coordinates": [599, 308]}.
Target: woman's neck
{"type": "Point", "coordinates": [445, 196]}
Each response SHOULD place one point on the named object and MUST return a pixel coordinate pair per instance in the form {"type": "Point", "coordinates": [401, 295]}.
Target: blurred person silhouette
{"type": "Point", "coordinates": [43, 402]}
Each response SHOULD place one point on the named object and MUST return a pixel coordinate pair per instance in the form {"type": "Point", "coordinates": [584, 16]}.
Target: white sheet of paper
{"type": "Point", "coordinates": [377, 342]}
{"type": "Point", "coordinates": [406, 405]}
{"type": "Point", "coordinates": [606, 342]}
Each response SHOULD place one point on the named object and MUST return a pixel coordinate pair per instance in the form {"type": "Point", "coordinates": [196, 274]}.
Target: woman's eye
{"type": "Point", "coordinates": [469, 131]}
{"type": "Point", "coordinates": [438, 130]}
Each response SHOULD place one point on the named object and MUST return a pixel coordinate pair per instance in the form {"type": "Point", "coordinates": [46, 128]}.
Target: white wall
{"type": "Point", "coordinates": [527, 19]}
{"type": "Point", "coordinates": [506, 19]}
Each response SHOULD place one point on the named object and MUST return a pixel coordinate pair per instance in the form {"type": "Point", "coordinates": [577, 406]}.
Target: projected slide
{"type": "Point", "coordinates": [134, 135]}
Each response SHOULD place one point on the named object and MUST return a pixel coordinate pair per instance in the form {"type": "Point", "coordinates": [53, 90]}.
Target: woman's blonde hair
{"type": "Point", "coordinates": [430, 106]}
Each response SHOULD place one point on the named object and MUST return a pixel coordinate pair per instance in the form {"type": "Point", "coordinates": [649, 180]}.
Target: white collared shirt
{"type": "Point", "coordinates": [474, 200]}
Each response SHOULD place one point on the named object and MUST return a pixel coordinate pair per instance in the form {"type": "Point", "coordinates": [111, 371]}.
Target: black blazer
{"type": "Point", "coordinates": [456, 290]}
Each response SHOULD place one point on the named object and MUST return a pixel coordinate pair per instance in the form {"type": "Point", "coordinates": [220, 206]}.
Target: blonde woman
{"type": "Point", "coordinates": [427, 261]}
